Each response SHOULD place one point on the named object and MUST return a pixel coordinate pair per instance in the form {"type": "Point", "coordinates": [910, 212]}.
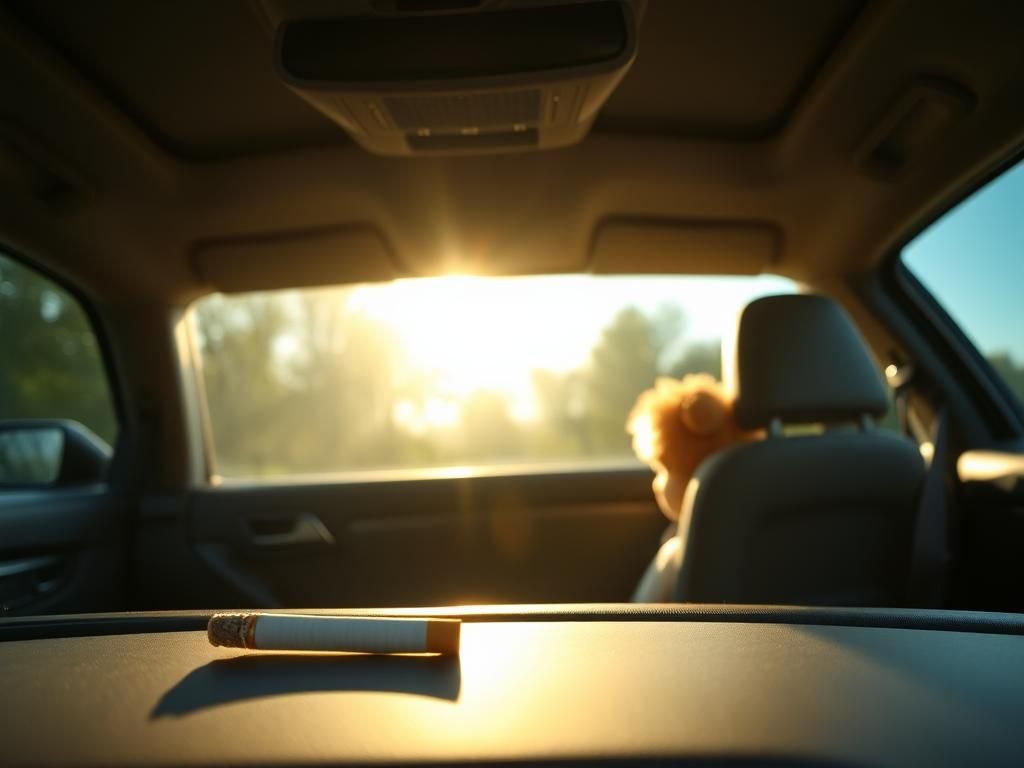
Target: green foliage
{"type": "Point", "coordinates": [703, 357]}
{"type": "Point", "coordinates": [303, 384]}
{"type": "Point", "coordinates": [50, 364]}
{"type": "Point", "coordinates": [623, 364]}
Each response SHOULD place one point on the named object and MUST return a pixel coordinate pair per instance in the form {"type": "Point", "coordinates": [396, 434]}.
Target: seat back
{"type": "Point", "coordinates": [823, 519]}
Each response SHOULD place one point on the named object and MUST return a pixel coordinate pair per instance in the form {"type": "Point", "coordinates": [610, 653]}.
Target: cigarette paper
{"type": "Point", "coordinates": [292, 632]}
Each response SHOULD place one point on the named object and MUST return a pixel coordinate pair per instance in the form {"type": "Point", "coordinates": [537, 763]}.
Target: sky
{"type": "Point", "coordinates": [972, 261]}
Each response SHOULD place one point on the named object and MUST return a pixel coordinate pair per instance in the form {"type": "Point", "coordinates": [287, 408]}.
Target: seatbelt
{"type": "Point", "coordinates": [931, 552]}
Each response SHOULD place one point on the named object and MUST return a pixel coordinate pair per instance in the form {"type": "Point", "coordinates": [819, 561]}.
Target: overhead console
{"type": "Point", "coordinates": [410, 77]}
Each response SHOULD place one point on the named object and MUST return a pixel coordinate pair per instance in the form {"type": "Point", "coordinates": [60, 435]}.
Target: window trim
{"type": "Point", "coordinates": [195, 390]}
{"type": "Point", "coordinates": [999, 406]}
{"type": "Point", "coordinates": [98, 326]}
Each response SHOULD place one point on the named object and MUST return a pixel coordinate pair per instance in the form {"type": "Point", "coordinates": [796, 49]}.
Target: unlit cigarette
{"type": "Point", "coordinates": [357, 634]}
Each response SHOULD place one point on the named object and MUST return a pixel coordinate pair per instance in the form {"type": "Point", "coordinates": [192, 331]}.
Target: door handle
{"type": "Point", "coordinates": [28, 579]}
{"type": "Point", "coordinates": [27, 565]}
{"type": "Point", "coordinates": [306, 529]}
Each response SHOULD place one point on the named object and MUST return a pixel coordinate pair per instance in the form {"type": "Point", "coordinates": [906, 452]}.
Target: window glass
{"type": "Point", "coordinates": [50, 362]}
{"type": "Point", "coordinates": [972, 262]}
{"type": "Point", "coordinates": [451, 371]}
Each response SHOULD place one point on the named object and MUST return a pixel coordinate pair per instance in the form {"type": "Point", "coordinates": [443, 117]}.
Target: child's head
{"type": "Point", "coordinates": [676, 425]}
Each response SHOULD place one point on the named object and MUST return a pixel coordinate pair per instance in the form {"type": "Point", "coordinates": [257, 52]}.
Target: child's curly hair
{"type": "Point", "coordinates": [676, 425]}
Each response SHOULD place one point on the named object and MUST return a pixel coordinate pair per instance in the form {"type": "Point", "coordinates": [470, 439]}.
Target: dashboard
{"type": "Point", "coordinates": [531, 685]}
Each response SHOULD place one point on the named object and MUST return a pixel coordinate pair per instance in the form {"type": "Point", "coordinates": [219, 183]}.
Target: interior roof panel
{"type": "Point", "coordinates": [197, 75]}
{"type": "Point", "coordinates": [732, 70]}
{"type": "Point", "coordinates": [142, 211]}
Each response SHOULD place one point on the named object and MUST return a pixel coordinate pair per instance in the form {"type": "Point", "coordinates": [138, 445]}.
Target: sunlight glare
{"type": "Point", "coordinates": [490, 333]}
{"type": "Point", "coordinates": [452, 371]}
{"type": "Point", "coordinates": [476, 334]}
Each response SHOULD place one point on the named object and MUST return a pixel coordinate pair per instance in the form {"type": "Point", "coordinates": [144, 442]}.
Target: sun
{"type": "Point", "coordinates": [472, 333]}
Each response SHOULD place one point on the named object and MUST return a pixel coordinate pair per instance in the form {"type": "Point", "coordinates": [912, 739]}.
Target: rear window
{"type": "Point", "coordinates": [450, 372]}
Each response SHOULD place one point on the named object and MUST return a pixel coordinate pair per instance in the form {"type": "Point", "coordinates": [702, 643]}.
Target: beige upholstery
{"type": "Point", "coordinates": [816, 520]}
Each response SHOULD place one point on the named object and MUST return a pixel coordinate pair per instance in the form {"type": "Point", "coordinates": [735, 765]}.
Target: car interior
{"type": "Point", "coordinates": [321, 306]}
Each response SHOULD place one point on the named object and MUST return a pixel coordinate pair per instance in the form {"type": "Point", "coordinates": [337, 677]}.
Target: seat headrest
{"type": "Point", "coordinates": [800, 359]}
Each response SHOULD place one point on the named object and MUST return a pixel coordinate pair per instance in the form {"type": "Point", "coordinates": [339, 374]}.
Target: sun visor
{"type": "Point", "coordinates": [295, 260]}
{"type": "Point", "coordinates": [455, 76]}
{"type": "Point", "coordinates": [668, 246]}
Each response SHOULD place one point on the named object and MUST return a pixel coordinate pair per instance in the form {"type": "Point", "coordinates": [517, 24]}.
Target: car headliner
{"type": "Point", "coordinates": [169, 129]}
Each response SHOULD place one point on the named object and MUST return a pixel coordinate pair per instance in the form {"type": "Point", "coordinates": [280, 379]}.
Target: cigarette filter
{"type": "Point", "coordinates": [294, 632]}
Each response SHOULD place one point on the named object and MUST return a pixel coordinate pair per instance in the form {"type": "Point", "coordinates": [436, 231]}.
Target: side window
{"type": "Point", "coordinates": [972, 261]}
{"type": "Point", "coordinates": [443, 372]}
{"type": "Point", "coordinates": [54, 388]}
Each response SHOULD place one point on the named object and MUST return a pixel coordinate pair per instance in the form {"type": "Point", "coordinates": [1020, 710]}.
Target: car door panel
{"type": "Point", "coordinates": [552, 537]}
{"type": "Point", "coordinates": [61, 551]}
{"type": "Point", "coordinates": [64, 515]}
{"type": "Point", "coordinates": [992, 500]}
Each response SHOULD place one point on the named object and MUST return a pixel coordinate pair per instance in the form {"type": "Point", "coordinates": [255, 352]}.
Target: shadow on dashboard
{"type": "Point", "coordinates": [241, 678]}
{"type": "Point", "coordinates": [964, 670]}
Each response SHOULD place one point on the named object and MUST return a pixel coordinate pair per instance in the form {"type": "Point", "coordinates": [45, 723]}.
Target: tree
{"type": "Point", "coordinates": [50, 362]}
{"type": "Point", "coordinates": [1010, 372]}
{"type": "Point", "coordinates": [623, 363]}
{"type": "Point", "coordinates": [301, 383]}
{"type": "Point", "coordinates": [704, 357]}
{"type": "Point", "coordinates": [245, 388]}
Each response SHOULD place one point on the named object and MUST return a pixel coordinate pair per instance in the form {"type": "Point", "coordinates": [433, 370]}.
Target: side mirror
{"type": "Point", "coordinates": [52, 453]}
